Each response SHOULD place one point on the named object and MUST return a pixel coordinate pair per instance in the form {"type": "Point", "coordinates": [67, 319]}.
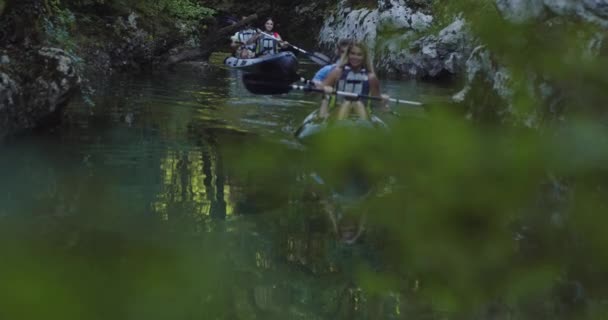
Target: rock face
{"type": "Point", "coordinates": [34, 96]}
{"type": "Point", "coordinates": [37, 78]}
{"type": "Point", "coordinates": [395, 30]}
{"type": "Point", "coordinates": [432, 56]}
{"type": "Point", "coordinates": [482, 75]}
{"type": "Point", "coordinates": [487, 76]}
{"type": "Point", "coordinates": [595, 11]}
{"type": "Point", "coordinates": [129, 45]}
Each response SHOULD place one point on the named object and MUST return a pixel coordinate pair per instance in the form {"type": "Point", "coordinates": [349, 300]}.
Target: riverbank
{"type": "Point", "coordinates": [455, 43]}
{"type": "Point", "coordinates": [98, 39]}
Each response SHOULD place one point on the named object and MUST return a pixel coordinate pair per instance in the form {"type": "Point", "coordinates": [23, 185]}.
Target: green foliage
{"type": "Point", "coordinates": [484, 214]}
{"type": "Point", "coordinates": [452, 222]}
{"type": "Point", "coordinates": [181, 9]}
{"type": "Point", "coordinates": [362, 4]}
{"type": "Point", "coordinates": [467, 219]}
{"type": "Point", "coordinates": [59, 25]}
{"type": "Point", "coordinates": [188, 10]}
{"type": "Point", "coordinates": [444, 11]}
{"type": "Point", "coordinates": [550, 51]}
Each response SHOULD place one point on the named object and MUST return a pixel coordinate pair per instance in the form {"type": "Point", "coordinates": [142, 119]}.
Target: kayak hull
{"type": "Point", "coordinates": [313, 126]}
{"type": "Point", "coordinates": [280, 65]}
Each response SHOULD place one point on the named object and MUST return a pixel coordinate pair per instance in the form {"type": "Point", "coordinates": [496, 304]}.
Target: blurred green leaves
{"type": "Point", "coordinates": [453, 219]}
{"type": "Point", "coordinates": [462, 214]}
{"type": "Point", "coordinates": [134, 280]}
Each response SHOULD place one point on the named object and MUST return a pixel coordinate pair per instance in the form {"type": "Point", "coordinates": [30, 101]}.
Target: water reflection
{"type": "Point", "coordinates": [140, 197]}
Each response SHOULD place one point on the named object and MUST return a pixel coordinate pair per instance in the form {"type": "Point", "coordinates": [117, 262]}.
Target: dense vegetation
{"type": "Point", "coordinates": [487, 210]}
{"type": "Point", "coordinates": [499, 216]}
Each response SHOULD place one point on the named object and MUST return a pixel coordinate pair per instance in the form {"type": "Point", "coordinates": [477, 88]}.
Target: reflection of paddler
{"type": "Point", "coordinates": [344, 211]}
{"type": "Point", "coordinates": [347, 227]}
{"type": "Point", "coordinates": [344, 194]}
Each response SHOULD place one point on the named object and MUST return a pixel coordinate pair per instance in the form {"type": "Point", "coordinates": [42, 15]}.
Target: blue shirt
{"type": "Point", "coordinates": [323, 73]}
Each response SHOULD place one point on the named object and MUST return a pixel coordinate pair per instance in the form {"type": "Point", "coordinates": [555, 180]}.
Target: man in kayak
{"type": "Point", "coordinates": [243, 48]}
{"type": "Point", "coordinates": [317, 80]}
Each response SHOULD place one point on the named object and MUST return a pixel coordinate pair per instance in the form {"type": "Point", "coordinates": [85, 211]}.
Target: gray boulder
{"type": "Point", "coordinates": [34, 88]}
{"type": "Point", "coordinates": [394, 31]}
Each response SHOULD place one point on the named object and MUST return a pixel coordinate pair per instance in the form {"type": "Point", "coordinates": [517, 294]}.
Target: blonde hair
{"type": "Point", "coordinates": [367, 61]}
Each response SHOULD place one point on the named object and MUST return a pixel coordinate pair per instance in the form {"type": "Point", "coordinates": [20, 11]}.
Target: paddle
{"type": "Point", "coordinates": [316, 57]}
{"type": "Point", "coordinates": [261, 84]}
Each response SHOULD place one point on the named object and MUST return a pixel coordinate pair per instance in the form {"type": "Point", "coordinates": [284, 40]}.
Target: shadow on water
{"type": "Point", "coordinates": [137, 209]}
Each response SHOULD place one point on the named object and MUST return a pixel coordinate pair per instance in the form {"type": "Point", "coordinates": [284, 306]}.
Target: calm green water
{"type": "Point", "coordinates": [132, 210]}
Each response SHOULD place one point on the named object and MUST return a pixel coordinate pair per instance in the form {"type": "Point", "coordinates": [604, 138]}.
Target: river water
{"type": "Point", "coordinates": [133, 210]}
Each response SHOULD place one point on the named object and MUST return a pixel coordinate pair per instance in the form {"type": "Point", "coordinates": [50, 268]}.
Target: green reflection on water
{"type": "Point", "coordinates": [183, 197]}
{"type": "Point", "coordinates": [136, 209]}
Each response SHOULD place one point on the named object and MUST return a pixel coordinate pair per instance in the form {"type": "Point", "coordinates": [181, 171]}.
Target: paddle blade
{"type": "Point", "coordinates": [263, 84]}
{"type": "Point", "coordinates": [319, 58]}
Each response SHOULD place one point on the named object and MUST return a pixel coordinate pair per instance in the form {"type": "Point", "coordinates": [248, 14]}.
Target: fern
{"type": "Point", "coordinates": [58, 25]}
{"type": "Point", "coordinates": [180, 9]}
{"type": "Point", "coordinates": [187, 10]}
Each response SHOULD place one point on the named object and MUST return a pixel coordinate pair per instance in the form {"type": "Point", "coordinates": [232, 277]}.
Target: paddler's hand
{"type": "Point", "coordinates": [328, 89]}
{"type": "Point", "coordinates": [385, 100]}
{"type": "Point", "coordinates": [257, 35]}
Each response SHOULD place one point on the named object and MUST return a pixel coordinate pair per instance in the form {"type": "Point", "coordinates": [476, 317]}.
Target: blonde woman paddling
{"type": "Point", "coordinates": [354, 73]}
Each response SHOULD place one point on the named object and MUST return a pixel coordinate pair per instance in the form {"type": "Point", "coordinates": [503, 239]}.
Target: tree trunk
{"type": "Point", "coordinates": [216, 38]}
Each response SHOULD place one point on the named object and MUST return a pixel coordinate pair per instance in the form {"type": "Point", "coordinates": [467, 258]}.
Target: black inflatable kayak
{"type": "Point", "coordinates": [280, 65]}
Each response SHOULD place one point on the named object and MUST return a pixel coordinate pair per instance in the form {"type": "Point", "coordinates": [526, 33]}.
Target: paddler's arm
{"type": "Point", "coordinates": [374, 90]}
{"type": "Point", "coordinates": [328, 86]}
{"type": "Point", "coordinates": [255, 38]}
{"type": "Point", "coordinates": [329, 82]}
{"type": "Point", "coordinates": [235, 43]}
{"type": "Point", "coordinates": [282, 43]}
